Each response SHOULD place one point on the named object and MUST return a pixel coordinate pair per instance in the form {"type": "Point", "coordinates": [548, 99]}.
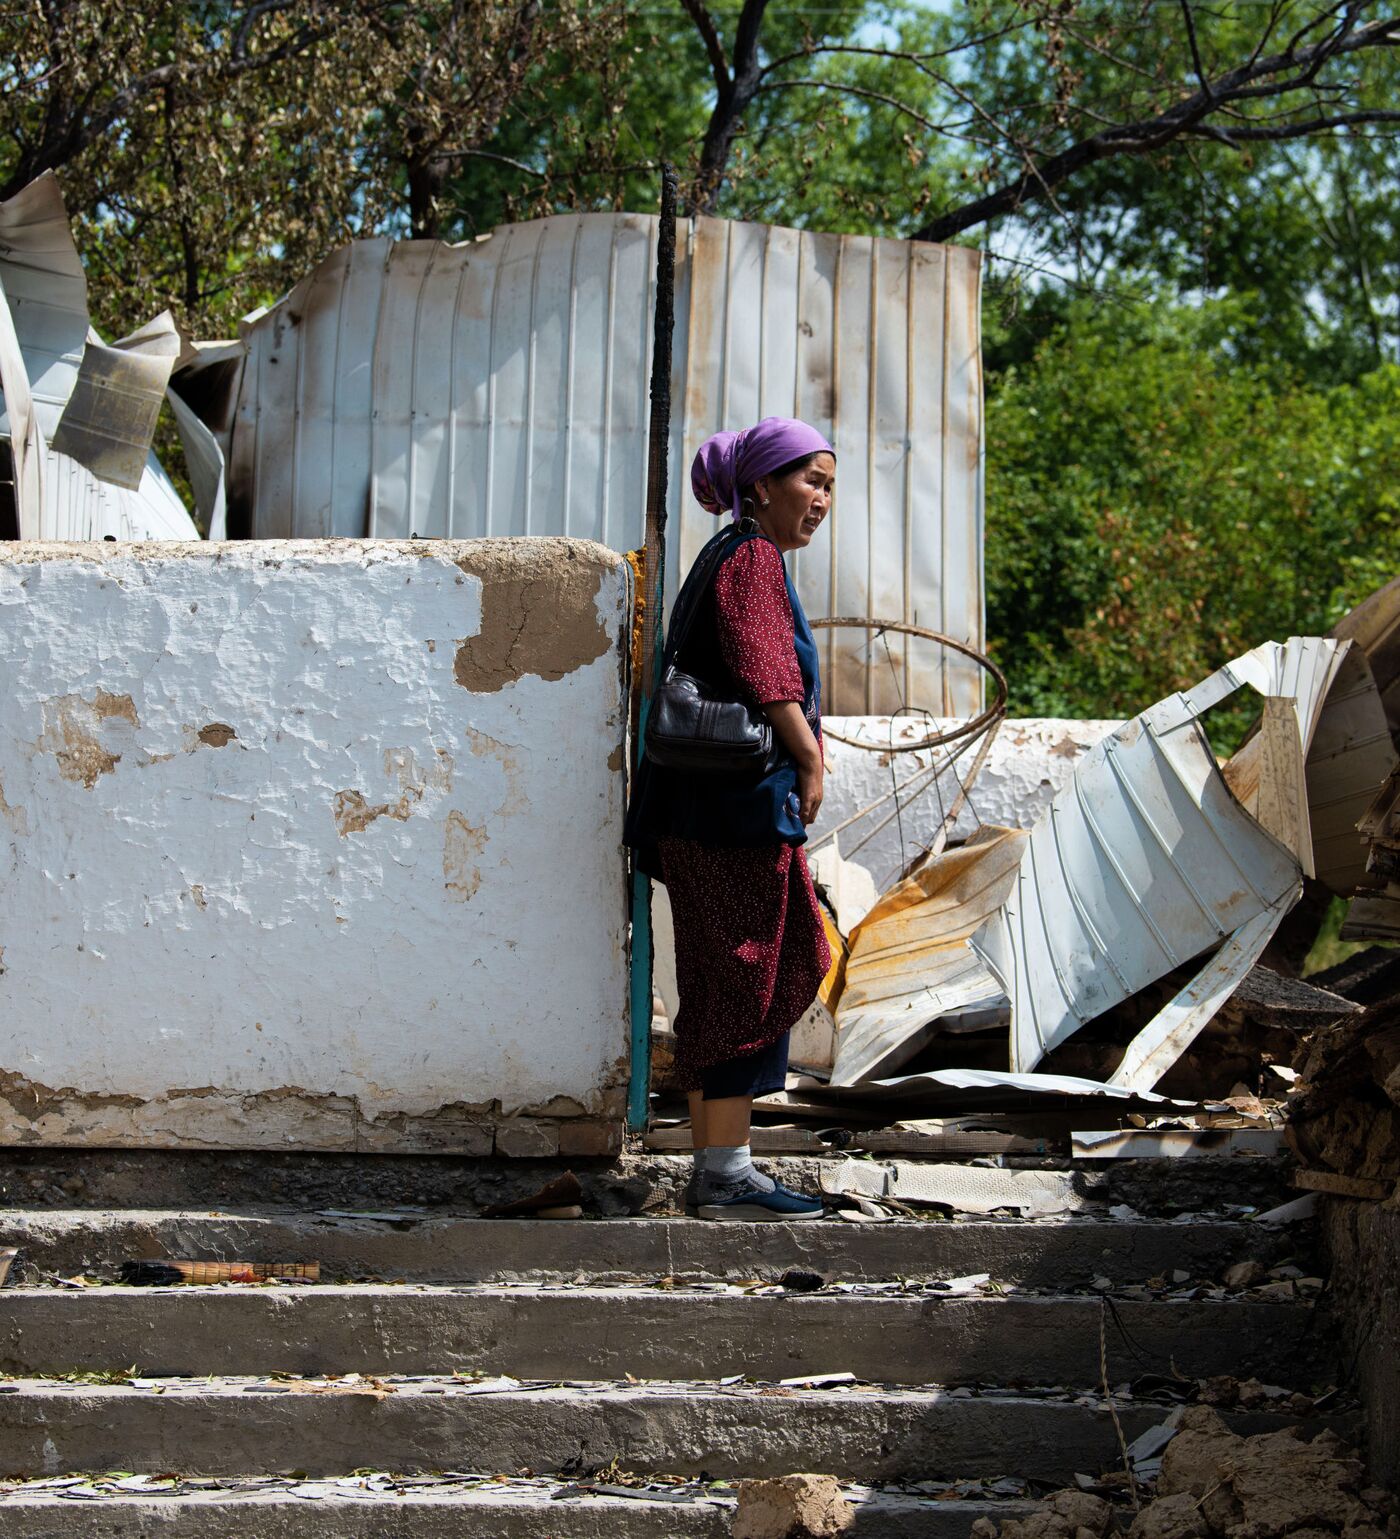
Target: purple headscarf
{"type": "Point", "coordinates": [728, 461]}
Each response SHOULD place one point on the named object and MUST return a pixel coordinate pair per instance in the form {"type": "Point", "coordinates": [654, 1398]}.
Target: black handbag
{"type": "Point", "coordinates": [692, 726]}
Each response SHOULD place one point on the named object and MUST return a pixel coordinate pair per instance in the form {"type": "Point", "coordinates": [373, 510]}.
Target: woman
{"type": "Point", "coordinates": [751, 950]}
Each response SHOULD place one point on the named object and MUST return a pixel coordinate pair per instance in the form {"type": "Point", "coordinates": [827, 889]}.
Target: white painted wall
{"type": "Point", "coordinates": [274, 877]}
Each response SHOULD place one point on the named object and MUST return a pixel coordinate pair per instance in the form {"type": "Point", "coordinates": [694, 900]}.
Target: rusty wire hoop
{"type": "Point", "coordinates": [973, 728]}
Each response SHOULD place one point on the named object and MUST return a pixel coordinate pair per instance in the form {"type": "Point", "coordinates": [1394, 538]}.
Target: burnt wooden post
{"type": "Point", "coordinates": [653, 596]}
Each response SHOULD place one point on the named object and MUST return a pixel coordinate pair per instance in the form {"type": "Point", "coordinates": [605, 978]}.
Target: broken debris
{"type": "Point", "coordinates": [964, 1188]}
{"type": "Point", "coordinates": [1216, 1484]}
{"type": "Point", "coordinates": [169, 1273]}
{"type": "Point", "coordinates": [792, 1507]}
{"type": "Point", "coordinates": [560, 1198]}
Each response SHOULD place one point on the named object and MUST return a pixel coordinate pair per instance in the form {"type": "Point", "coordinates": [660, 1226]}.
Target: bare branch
{"type": "Point", "coordinates": [1191, 38]}
{"type": "Point", "coordinates": [907, 56]}
{"type": "Point", "coordinates": [845, 89]}
{"type": "Point", "coordinates": [505, 160]}
{"type": "Point", "coordinates": [1185, 118]}
{"type": "Point", "coordinates": [1281, 132]}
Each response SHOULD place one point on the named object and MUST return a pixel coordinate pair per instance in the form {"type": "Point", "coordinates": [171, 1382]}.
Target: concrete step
{"type": "Point", "coordinates": [241, 1427]}
{"type": "Point", "coordinates": [434, 1247]}
{"type": "Point", "coordinates": [465, 1509]}
{"type": "Point", "coordinates": [630, 1184]}
{"type": "Point", "coordinates": [701, 1331]}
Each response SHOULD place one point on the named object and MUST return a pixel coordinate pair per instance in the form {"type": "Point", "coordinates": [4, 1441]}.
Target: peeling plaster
{"type": "Point", "coordinates": [353, 814]}
{"type": "Point", "coordinates": [537, 616]}
{"type": "Point", "coordinates": [462, 846]}
{"type": "Point", "coordinates": [16, 817]}
{"type": "Point", "coordinates": [71, 734]}
{"type": "Point", "coordinates": [341, 991]}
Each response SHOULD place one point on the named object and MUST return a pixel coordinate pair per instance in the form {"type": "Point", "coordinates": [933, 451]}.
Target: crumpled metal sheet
{"type": "Point", "coordinates": [1143, 862]}
{"type": "Point", "coordinates": [1148, 859]}
{"type": "Point", "coordinates": [910, 972]}
{"type": "Point", "coordinates": [969, 1090]}
{"type": "Point", "coordinates": [63, 497]}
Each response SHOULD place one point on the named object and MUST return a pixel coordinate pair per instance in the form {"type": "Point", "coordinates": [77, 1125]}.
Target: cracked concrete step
{"type": "Point", "coordinates": [631, 1183]}
{"type": "Point", "coordinates": [239, 1428]}
{"type": "Point", "coordinates": [544, 1510]}
{"type": "Point", "coordinates": [435, 1248]}
{"type": "Point", "coordinates": [599, 1333]}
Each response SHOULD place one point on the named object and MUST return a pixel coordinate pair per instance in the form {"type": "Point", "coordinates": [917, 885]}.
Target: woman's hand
{"type": "Point", "coordinates": [797, 737]}
{"type": "Point", "coordinates": [809, 790]}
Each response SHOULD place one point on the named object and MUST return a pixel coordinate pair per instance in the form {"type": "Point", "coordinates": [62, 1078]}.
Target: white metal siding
{"type": "Point", "coordinates": [500, 387]}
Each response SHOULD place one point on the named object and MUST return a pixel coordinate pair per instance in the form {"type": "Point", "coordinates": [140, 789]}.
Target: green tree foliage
{"type": "Point", "coordinates": [212, 152]}
{"type": "Point", "coordinates": [1156, 505]}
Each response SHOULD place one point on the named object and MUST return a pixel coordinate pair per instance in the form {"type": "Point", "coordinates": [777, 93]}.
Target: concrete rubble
{"type": "Point", "coordinates": [793, 1507]}
{"type": "Point", "coordinates": [1215, 1484]}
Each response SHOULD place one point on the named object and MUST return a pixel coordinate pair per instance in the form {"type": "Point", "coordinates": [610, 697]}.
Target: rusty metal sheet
{"type": "Point", "coordinates": [910, 972]}
{"type": "Point", "coordinates": [499, 387]}
{"type": "Point", "coordinates": [118, 486]}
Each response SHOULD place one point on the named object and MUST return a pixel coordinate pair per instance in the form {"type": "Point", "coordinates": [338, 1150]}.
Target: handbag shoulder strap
{"type": "Point", "coordinates": [702, 577]}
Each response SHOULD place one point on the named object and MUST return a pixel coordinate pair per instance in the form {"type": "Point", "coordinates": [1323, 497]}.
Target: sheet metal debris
{"type": "Point", "coordinates": [1152, 857]}
{"type": "Point", "coordinates": [81, 414]}
{"type": "Point", "coordinates": [965, 1188]}
{"type": "Point", "coordinates": [1145, 861]}
{"type": "Point", "coordinates": [1175, 1143]}
{"type": "Point", "coordinates": [911, 973]}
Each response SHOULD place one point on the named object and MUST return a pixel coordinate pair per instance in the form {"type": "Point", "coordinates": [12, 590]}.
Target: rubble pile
{"type": "Point", "coordinates": [1344, 1121]}
{"type": "Point", "coordinates": [1215, 1484]}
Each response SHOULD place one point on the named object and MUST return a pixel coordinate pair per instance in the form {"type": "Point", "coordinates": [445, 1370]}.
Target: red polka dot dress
{"type": "Point", "coordinates": [751, 949]}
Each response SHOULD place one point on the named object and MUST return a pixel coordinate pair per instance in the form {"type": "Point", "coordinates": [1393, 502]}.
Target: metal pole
{"type": "Point", "coordinates": [653, 593]}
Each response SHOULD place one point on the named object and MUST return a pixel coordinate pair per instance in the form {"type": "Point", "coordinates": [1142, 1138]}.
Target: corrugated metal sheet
{"type": "Point", "coordinates": [1146, 860]}
{"type": "Point", "coordinates": [45, 290]}
{"type": "Point", "coordinates": [499, 387]}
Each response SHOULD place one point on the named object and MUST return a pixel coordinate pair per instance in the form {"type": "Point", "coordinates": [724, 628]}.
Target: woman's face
{"type": "Point", "coordinates": [797, 503]}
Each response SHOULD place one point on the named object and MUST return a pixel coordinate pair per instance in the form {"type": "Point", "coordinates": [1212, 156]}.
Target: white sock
{"type": "Point", "coordinates": [734, 1162]}
{"type": "Point", "coordinates": [702, 1160]}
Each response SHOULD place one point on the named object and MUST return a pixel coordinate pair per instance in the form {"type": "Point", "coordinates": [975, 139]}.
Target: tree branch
{"type": "Point", "coordinates": [1195, 48]}
{"type": "Point", "coordinates": [736, 90]}
{"type": "Point", "coordinates": [1282, 132]}
{"type": "Point", "coordinates": [1183, 119]}
{"type": "Point", "coordinates": [705, 26]}
{"type": "Point", "coordinates": [865, 94]}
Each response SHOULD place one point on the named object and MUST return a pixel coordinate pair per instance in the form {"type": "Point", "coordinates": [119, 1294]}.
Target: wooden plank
{"type": "Point", "coordinates": [1342, 1186]}
{"type": "Point", "coordinates": [761, 1140]}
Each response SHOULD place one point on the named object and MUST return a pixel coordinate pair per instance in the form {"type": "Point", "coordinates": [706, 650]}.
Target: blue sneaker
{"type": "Point", "coordinates": [743, 1202]}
